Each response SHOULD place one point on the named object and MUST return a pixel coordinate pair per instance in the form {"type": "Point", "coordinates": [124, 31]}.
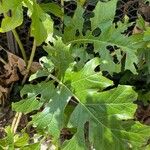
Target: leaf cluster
{"type": "Point", "coordinates": [77, 94]}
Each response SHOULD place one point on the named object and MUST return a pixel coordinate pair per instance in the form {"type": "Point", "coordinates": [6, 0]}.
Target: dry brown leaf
{"type": "Point", "coordinates": [20, 63]}
{"type": "Point", "coordinates": [14, 60]}
{"type": "Point", "coordinates": [15, 63]}
{"type": "Point", "coordinates": [35, 66]}
{"type": "Point", "coordinates": [3, 94]}
{"type": "Point", "coordinates": [9, 73]}
{"type": "Point", "coordinates": [137, 30]}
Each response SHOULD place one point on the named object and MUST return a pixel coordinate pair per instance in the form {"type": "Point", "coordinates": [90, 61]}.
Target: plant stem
{"type": "Point", "coordinates": [123, 61]}
{"type": "Point", "coordinates": [18, 41]}
{"type": "Point", "coordinates": [16, 121]}
{"type": "Point", "coordinates": [3, 61]}
{"type": "Point", "coordinates": [18, 115]}
{"type": "Point", "coordinates": [62, 9]}
{"type": "Point", "coordinates": [30, 61]}
{"type": "Point", "coordinates": [20, 45]}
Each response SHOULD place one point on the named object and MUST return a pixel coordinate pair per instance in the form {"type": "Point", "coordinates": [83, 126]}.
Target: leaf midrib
{"type": "Point", "coordinates": [90, 40]}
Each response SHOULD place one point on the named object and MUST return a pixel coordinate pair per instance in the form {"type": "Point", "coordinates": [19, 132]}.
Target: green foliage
{"type": "Point", "coordinates": [108, 35]}
{"type": "Point", "coordinates": [16, 18]}
{"type": "Point", "coordinates": [52, 8]}
{"type": "Point", "coordinates": [77, 94]}
{"type": "Point", "coordinates": [41, 25]}
{"type": "Point", "coordinates": [12, 142]}
{"type": "Point", "coordinates": [109, 113]}
{"type": "Point", "coordinates": [60, 56]}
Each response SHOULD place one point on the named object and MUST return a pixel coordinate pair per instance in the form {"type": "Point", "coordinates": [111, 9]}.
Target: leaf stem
{"type": "Point", "coordinates": [30, 61]}
{"type": "Point", "coordinates": [62, 9]}
{"type": "Point", "coordinates": [20, 45]}
{"type": "Point", "coordinates": [18, 115]}
{"type": "Point", "coordinates": [123, 61]}
{"type": "Point", "coordinates": [16, 121]}
{"type": "Point", "coordinates": [19, 42]}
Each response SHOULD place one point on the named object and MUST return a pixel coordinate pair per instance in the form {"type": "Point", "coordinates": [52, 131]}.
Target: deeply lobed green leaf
{"type": "Point", "coordinates": [107, 35]}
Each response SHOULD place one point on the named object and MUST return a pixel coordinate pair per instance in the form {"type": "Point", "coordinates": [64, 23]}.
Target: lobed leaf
{"type": "Point", "coordinates": [103, 34]}
{"type": "Point", "coordinates": [60, 56]}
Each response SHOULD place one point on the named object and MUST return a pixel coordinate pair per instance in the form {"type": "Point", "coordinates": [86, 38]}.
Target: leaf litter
{"type": "Point", "coordinates": [12, 70]}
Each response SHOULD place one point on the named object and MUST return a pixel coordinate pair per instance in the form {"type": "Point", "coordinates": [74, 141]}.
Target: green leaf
{"type": "Point", "coordinates": [51, 118]}
{"type": "Point", "coordinates": [103, 34]}
{"type": "Point", "coordinates": [87, 80]}
{"type": "Point", "coordinates": [37, 95]}
{"type": "Point", "coordinates": [147, 60]}
{"type": "Point", "coordinates": [9, 138]}
{"type": "Point", "coordinates": [27, 105]}
{"type": "Point", "coordinates": [38, 74]}
{"type": "Point", "coordinates": [75, 24]}
{"type": "Point", "coordinates": [108, 113]}
{"type": "Point", "coordinates": [35, 90]}
{"type": "Point", "coordinates": [147, 147]}
{"type": "Point", "coordinates": [81, 56]}
{"type": "Point", "coordinates": [147, 34]}
{"type": "Point", "coordinates": [140, 23]}
{"type": "Point", "coordinates": [60, 56]}
{"type": "Point", "coordinates": [144, 61]}
{"type": "Point", "coordinates": [41, 25]}
{"type": "Point", "coordinates": [21, 140]}
{"type": "Point", "coordinates": [52, 8]}
{"type": "Point", "coordinates": [144, 97]}
{"type": "Point", "coordinates": [3, 143]}
{"type": "Point", "coordinates": [47, 64]}
{"type": "Point", "coordinates": [105, 113]}
{"type": "Point", "coordinates": [47, 68]}
{"type": "Point", "coordinates": [35, 146]}
{"type": "Point", "coordinates": [7, 5]}
{"type": "Point", "coordinates": [13, 21]}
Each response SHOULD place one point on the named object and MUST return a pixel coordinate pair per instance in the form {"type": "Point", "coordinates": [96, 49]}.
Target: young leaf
{"type": "Point", "coordinates": [9, 138]}
{"type": "Point", "coordinates": [41, 25]}
{"type": "Point", "coordinates": [38, 74]}
{"type": "Point", "coordinates": [22, 140]}
{"type": "Point", "coordinates": [47, 68]}
{"type": "Point", "coordinates": [17, 141]}
{"type": "Point", "coordinates": [60, 56]}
